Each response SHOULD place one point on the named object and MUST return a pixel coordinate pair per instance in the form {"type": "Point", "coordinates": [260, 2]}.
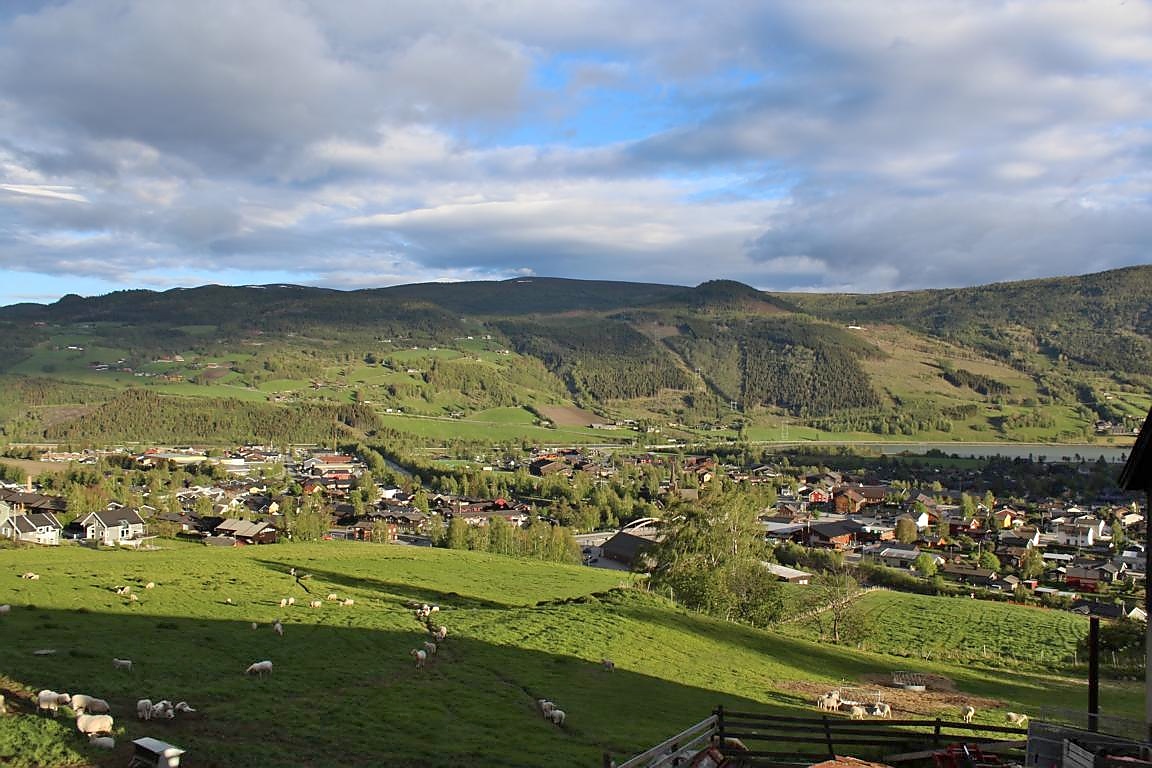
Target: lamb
{"type": "Point", "coordinates": [315, 603]}
{"type": "Point", "coordinates": [430, 647]}
{"type": "Point", "coordinates": [283, 602]}
{"type": "Point", "coordinates": [881, 709]}
{"type": "Point", "coordinates": [1017, 719]}
{"type": "Point", "coordinates": [144, 709]}
{"type": "Point", "coordinates": [183, 706]}
{"type": "Point", "coordinates": [545, 707]}
{"type": "Point", "coordinates": [420, 657]}
{"type": "Point", "coordinates": [857, 712]}
{"type": "Point", "coordinates": [122, 664]}
{"type": "Point", "coordinates": [259, 668]}
{"type": "Point", "coordinates": [162, 709]}
{"type": "Point", "coordinates": [608, 665]}
{"type": "Point", "coordinates": [348, 602]}
{"type": "Point", "coordinates": [49, 701]}
{"type": "Point", "coordinates": [333, 596]}
{"type": "Point", "coordinates": [102, 742]}
{"type": "Point", "coordinates": [89, 705]}
{"type": "Point", "coordinates": [6, 608]}
{"type": "Point", "coordinates": [124, 591]}
{"type": "Point", "coordinates": [967, 713]}
{"type": "Point", "coordinates": [150, 585]}
{"type": "Point", "coordinates": [91, 725]}
{"type": "Point", "coordinates": [440, 633]}
{"type": "Point", "coordinates": [557, 716]}
{"type": "Point", "coordinates": [134, 597]}
{"type": "Point", "coordinates": [278, 628]}
{"type": "Point", "coordinates": [30, 575]}
{"type": "Point", "coordinates": [291, 601]}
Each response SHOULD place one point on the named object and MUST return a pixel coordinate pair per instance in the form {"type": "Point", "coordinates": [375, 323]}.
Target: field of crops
{"type": "Point", "coordinates": [344, 684]}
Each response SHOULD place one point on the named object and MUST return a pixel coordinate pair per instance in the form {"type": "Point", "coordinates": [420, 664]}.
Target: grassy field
{"type": "Point", "coordinates": [343, 682]}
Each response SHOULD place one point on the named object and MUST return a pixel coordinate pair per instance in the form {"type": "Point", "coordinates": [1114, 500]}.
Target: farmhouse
{"type": "Point", "coordinates": [34, 527]}
{"type": "Point", "coordinates": [113, 525]}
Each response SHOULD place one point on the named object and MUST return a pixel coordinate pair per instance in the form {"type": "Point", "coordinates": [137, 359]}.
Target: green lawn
{"type": "Point", "coordinates": [344, 684]}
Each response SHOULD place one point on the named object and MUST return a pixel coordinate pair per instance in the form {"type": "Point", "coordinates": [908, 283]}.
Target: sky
{"type": "Point", "coordinates": [823, 145]}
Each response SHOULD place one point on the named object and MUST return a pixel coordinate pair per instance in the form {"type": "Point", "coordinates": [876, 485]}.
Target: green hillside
{"type": "Point", "coordinates": [344, 683]}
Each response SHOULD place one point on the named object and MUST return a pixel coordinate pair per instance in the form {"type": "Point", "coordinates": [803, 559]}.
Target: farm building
{"type": "Point", "coordinates": [790, 575]}
{"type": "Point", "coordinates": [247, 531]}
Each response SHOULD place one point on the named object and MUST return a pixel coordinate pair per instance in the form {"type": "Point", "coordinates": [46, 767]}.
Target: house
{"type": "Point", "coordinates": [113, 525]}
{"type": "Point", "coordinates": [1108, 610]}
{"type": "Point", "coordinates": [629, 548]}
{"type": "Point", "coordinates": [34, 527]}
{"type": "Point", "coordinates": [1003, 519]}
{"type": "Point", "coordinates": [968, 574]}
{"type": "Point", "coordinates": [1089, 578]}
{"type": "Point", "coordinates": [899, 556]}
{"type": "Point", "coordinates": [247, 531]}
{"type": "Point", "coordinates": [1023, 537]}
{"type": "Point", "coordinates": [1080, 532]}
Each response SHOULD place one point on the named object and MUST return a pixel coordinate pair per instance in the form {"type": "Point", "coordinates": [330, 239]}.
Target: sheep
{"type": "Point", "coordinates": [123, 591]}
{"type": "Point", "coordinates": [144, 709]}
{"type": "Point", "coordinates": [90, 725]}
{"type": "Point", "coordinates": [430, 647]}
{"type": "Point", "coordinates": [433, 608]}
{"type": "Point", "coordinates": [255, 625]}
{"type": "Point", "coordinates": [880, 709]}
{"type": "Point", "coordinates": [545, 707]}
{"type": "Point", "coordinates": [150, 585]}
{"type": "Point", "coordinates": [315, 603]}
{"type": "Point", "coordinates": [283, 602]}
{"type": "Point", "coordinates": [29, 575]}
{"type": "Point", "coordinates": [259, 668]}
{"type": "Point", "coordinates": [857, 712]}
{"type": "Point", "coordinates": [1017, 719]}
{"type": "Point", "coordinates": [89, 705]}
{"type": "Point", "coordinates": [49, 701]}
{"type": "Point", "coordinates": [333, 596]}
{"type": "Point", "coordinates": [3, 705]}
{"type": "Point", "coordinates": [440, 633]}
{"type": "Point", "coordinates": [608, 665]}
{"type": "Point", "coordinates": [828, 702]}
{"type": "Point", "coordinates": [967, 713]}
{"type": "Point", "coordinates": [348, 602]}
{"type": "Point", "coordinates": [278, 628]}
{"type": "Point", "coordinates": [122, 664]}
{"type": "Point", "coordinates": [557, 716]}
{"type": "Point", "coordinates": [134, 597]}
{"type": "Point", "coordinates": [183, 706]}
{"type": "Point", "coordinates": [163, 709]}
{"type": "Point", "coordinates": [102, 742]}
{"type": "Point", "coordinates": [420, 656]}
{"type": "Point", "coordinates": [6, 608]}
{"type": "Point", "coordinates": [291, 601]}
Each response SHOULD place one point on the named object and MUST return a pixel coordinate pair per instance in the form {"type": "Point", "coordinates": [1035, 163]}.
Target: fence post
{"type": "Point", "coordinates": [936, 734]}
{"type": "Point", "coordinates": [606, 760]}
{"type": "Point", "coordinates": [720, 724]}
{"type": "Point", "coordinates": [828, 737]}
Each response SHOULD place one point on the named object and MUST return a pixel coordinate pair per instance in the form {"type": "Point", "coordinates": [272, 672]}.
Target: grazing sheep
{"type": "Point", "coordinates": [183, 706]}
{"type": "Point", "coordinates": [278, 628]}
{"type": "Point", "coordinates": [545, 707]}
{"type": "Point", "coordinates": [150, 585]}
{"type": "Point", "coordinates": [1016, 718]}
{"type": "Point", "coordinates": [163, 709]}
{"type": "Point", "coordinates": [433, 608]}
{"type": "Point", "coordinates": [122, 664]}
{"type": "Point", "coordinates": [420, 656]}
{"type": "Point", "coordinates": [333, 596]}
{"type": "Point", "coordinates": [5, 608]}
{"type": "Point", "coordinates": [828, 702]}
{"type": "Point", "coordinates": [89, 705]}
{"type": "Point", "coordinates": [134, 597]}
{"type": "Point", "coordinates": [291, 601]}
{"type": "Point", "coordinates": [228, 601]}
{"type": "Point", "coordinates": [102, 742]}
{"type": "Point", "coordinates": [967, 713]}
{"type": "Point", "coordinates": [315, 603]}
{"type": "Point", "coordinates": [283, 602]}
{"type": "Point", "coordinates": [557, 716]}
{"type": "Point", "coordinates": [259, 668]}
{"type": "Point", "coordinates": [857, 712]}
{"type": "Point", "coordinates": [123, 591]}
{"type": "Point", "coordinates": [90, 725]}
{"type": "Point", "coordinates": [880, 709]}
{"type": "Point", "coordinates": [29, 575]}
{"type": "Point", "coordinates": [608, 665]}
{"type": "Point", "coordinates": [430, 647]}
{"type": "Point", "coordinates": [348, 602]}
{"type": "Point", "coordinates": [144, 709]}
{"type": "Point", "coordinates": [255, 625]}
{"type": "Point", "coordinates": [49, 701]}
{"type": "Point", "coordinates": [440, 633]}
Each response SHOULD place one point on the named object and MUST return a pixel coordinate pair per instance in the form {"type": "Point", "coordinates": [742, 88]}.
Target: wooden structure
{"type": "Point", "coordinates": [153, 753]}
{"type": "Point", "coordinates": [1137, 476]}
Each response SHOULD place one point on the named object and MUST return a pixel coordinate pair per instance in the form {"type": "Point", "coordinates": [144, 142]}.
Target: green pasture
{"type": "Point", "coordinates": [469, 429]}
{"type": "Point", "coordinates": [344, 684]}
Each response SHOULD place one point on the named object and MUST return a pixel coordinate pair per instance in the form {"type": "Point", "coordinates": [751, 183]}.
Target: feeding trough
{"type": "Point", "coordinates": [910, 681]}
{"type": "Point", "coordinates": [153, 753]}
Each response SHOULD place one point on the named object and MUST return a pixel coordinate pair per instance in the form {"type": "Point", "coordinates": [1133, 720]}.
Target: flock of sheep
{"type": "Point", "coordinates": [831, 702]}
{"type": "Point", "coordinates": [438, 632]}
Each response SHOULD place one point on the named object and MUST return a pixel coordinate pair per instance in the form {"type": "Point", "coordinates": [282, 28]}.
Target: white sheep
{"type": "Point", "coordinates": [49, 701]}
{"type": "Point", "coordinates": [259, 668]}
{"type": "Point", "coordinates": [102, 742]}
{"type": "Point", "coordinates": [1016, 718]}
{"type": "Point", "coordinates": [828, 702]}
{"type": "Point", "coordinates": [283, 602]}
{"type": "Point", "coordinates": [608, 665]}
{"type": "Point", "coordinates": [89, 705]}
{"type": "Point", "coordinates": [545, 707]}
{"type": "Point", "coordinates": [430, 647]}
{"type": "Point", "coordinates": [967, 713]}
{"type": "Point", "coordinates": [90, 725]}
{"type": "Point", "coordinates": [440, 633]}
{"type": "Point", "coordinates": [134, 597]}
{"type": "Point", "coordinates": [557, 716]}
{"type": "Point", "coordinates": [3, 705]}
{"type": "Point", "coordinates": [122, 664]}
{"type": "Point", "coordinates": [315, 603]}
{"type": "Point", "coordinates": [144, 709]}
{"type": "Point", "coordinates": [6, 608]}
{"type": "Point", "coordinates": [857, 712]}
{"type": "Point", "coordinates": [255, 625]}
{"type": "Point", "coordinates": [183, 706]}
{"type": "Point", "coordinates": [291, 601]}
{"type": "Point", "coordinates": [278, 628]}
{"type": "Point", "coordinates": [420, 656]}
{"type": "Point", "coordinates": [881, 709]}
{"type": "Point", "coordinates": [123, 591]}
{"type": "Point", "coordinates": [348, 602]}
{"type": "Point", "coordinates": [30, 575]}
{"type": "Point", "coordinates": [333, 596]}
{"type": "Point", "coordinates": [163, 709]}
{"type": "Point", "coordinates": [433, 608]}
{"type": "Point", "coordinates": [150, 585]}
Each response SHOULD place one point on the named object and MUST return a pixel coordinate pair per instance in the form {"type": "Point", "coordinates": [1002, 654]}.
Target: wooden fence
{"type": "Point", "coordinates": [785, 740]}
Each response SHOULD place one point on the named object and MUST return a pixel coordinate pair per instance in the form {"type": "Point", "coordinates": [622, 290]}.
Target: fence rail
{"type": "Point", "coordinates": [772, 739]}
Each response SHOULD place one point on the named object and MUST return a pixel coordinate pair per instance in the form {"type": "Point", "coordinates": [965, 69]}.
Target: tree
{"type": "Point", "coordinates": [1031, 563]}
{"type": "Point", "coordinates": [457, 534]}
{"type": "Point", "coordinates": [925, 565]}
{"type": "Point", "coordinates": [834, 591]}
{"type": "Point", "coordinates": [989, 560]}
{"type": "Point", "coordinates": [967, 506]}
{"type": "Point", "coordinates": [906, 531]}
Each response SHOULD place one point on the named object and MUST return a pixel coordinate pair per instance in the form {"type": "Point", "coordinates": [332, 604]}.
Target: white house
{"type": "Point", "coordinates": [1081, 532]}
{"type": "Point", "coordinates": [34, 527]}
{"type": "Point", "coordinates": [111, 526]}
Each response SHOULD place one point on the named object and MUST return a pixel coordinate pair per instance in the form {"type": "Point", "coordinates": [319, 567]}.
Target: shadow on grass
{"type": "Point", "coordinates": [339, 695]}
